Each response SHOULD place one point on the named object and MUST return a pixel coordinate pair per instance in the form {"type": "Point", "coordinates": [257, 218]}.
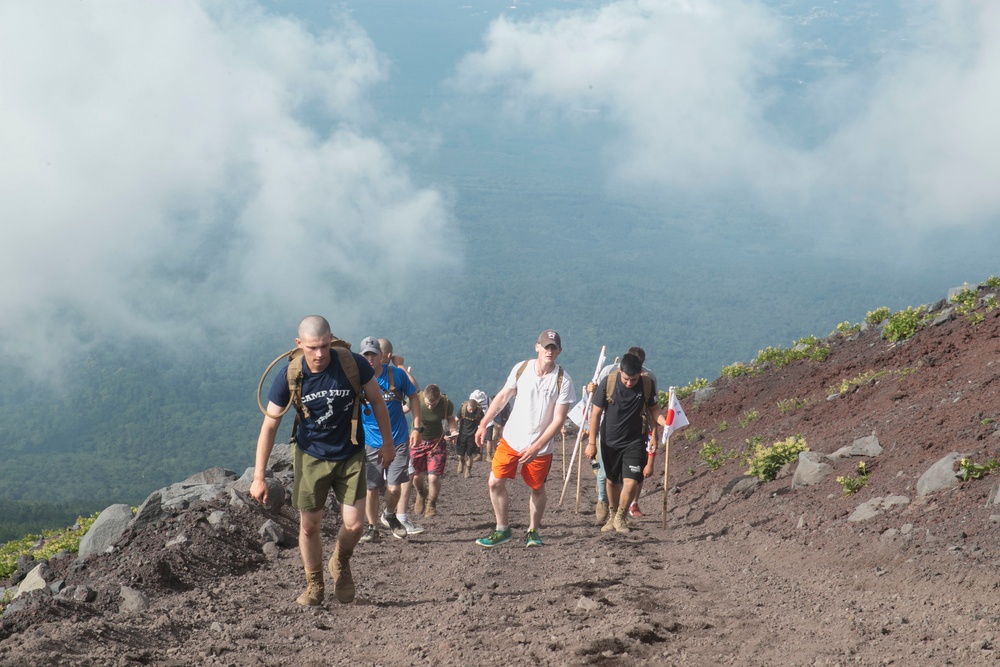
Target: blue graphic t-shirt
{"type": "Point", "coordinates": [394, 401]}
{"type": "Point", "coordinates": [328, 396]}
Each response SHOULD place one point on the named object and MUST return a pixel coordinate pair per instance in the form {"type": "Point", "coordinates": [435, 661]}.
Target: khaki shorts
{"type": "Point", "coordinates": [315, 477]}
{"type": "Point", "coordinates": [497, 432]}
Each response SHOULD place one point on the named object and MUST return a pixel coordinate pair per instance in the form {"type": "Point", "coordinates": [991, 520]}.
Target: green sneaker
{"type": "Point", "coordinates": [495, 538]}
{"type": "Point", "coordinates": [533, 540]}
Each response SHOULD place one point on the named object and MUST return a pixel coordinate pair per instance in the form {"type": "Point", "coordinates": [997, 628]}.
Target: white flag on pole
{"type": "Point", "coordinates": [675, 418]}
{"type": "Point", "coordinates": [576, 415]}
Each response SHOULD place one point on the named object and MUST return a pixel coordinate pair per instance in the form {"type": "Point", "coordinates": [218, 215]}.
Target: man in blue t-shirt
{"type": "Point", "coordinates": [396, 386]}
{"type": "Point", "coordinates": [326, 453]}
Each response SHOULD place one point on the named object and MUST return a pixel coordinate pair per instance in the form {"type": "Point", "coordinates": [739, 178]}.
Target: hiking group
{"type": "Point", "coordinates": [351, 436]}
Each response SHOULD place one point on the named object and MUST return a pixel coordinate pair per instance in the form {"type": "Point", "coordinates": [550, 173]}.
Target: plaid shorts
{"type": "Point", "coordinates": [429, 456]}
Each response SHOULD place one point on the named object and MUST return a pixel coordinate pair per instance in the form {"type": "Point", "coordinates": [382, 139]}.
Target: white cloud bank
{"type": "Point", "coordinates": [690, 85]}
{"type": "Point", "coordinates": [162, 172]}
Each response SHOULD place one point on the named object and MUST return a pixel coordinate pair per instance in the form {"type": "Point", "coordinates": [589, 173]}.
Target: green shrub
{"type": "Point", "coordinates": [738, 369]}
{"type": "Point", "coordinates": [713, 455]}
{"type": "Point", "coordinates": [749, 416]}
{"type": "Point", "coordinates": [791, 405]}
{"type": "Point", "coordinates": [690, 388]}
{"type": "Point", "coordinates": [968, 469]}
{"type": "Point", "coordinates": [852, 485]}
{"type": "Point", "coordinates": [765, 462]}
{"type": "Point", "coordinates": [846, 329]}
{"type": "Point", "coordinates": [903, 324]}
{"type": "Point", "coordinates": [877, 316]}
{"type": "Point", "coordinates": [54, 541]}
{"type": "Point", "coordinates": [723, 426]}
{"type": "Point", "coordinates": [992, 282]}
{"type": "Point", "coordinates": [965, 301]}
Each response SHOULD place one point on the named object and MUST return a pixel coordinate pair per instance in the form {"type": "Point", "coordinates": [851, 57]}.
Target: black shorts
{"type": "Point", "coordinates": [624, 462]}
{"type": "Point", "coordinates": [466, 445]}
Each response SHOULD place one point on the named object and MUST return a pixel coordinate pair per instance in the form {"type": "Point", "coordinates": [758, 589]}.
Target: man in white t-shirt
{"type": "Point", "coordinates": [544, 395]}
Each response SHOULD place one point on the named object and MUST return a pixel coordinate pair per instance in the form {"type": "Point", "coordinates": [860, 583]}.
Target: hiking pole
{"type": "Point", "coordinates": [579, 436]}
{"type": "Point", "coordinates": [666, 454]}
{"type": "Point", "coordinates": [579, 478]}
{"type": "Point", "coordinates": [564, 453]}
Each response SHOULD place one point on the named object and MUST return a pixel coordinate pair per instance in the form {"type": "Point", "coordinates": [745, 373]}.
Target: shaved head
{"type": "Point", "coordinates": [313, 326]}
{"type": "Point", "coordinates": [385, 345]}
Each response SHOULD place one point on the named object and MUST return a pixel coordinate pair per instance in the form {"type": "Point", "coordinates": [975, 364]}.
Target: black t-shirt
{"type": "Point", "coordinates": [621, 425]}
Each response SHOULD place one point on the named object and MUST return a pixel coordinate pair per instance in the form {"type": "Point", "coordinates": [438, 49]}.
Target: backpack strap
{"type": "Point", "coordinates": [353, 373]}
{"type": "Point", "coordinates": [647, 387]}
{"type": "Point", "coordinates": [559, 377]}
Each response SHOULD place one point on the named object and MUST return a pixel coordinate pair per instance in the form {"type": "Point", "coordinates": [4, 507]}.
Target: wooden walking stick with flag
{"type": "Point", "coordinates": [584, 414]}
{"type": "Point", "coordinates": [675, 420]}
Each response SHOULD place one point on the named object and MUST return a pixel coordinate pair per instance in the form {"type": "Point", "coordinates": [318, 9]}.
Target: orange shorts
{"type": "Point", "coordinates": [534, 473]}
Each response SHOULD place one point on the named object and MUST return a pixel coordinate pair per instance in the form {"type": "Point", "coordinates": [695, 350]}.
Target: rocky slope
{"type": "Point", "coordinates": [745, 573]}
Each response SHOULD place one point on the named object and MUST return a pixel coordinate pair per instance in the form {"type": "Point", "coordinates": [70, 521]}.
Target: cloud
{"type": "Point", "coordinates": [708, 97]}
{"type": "Point", "coordinates": [184, 167]}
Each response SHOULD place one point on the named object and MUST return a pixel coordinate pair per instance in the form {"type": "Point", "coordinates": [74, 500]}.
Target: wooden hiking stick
{"type": "Point", "coordinates": [579, 477]}
{"type": "Point", "coordinates": [666, 466]}
{"type": "Point", "coordinates": [579, 436]}
{"type": "Point", "coordinates": [564, 454]}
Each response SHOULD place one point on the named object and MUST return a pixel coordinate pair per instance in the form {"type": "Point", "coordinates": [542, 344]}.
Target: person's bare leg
{"type": "Point", "coordinates": [536, 507]}
{"type": "Point", "coordinates": [500, 499]}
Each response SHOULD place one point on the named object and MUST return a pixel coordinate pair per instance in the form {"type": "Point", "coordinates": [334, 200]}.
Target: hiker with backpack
{"type": "Point", "coordinates": [469, 417]}
{"type": "Point", "coordinates": [324, 381]}
{"type": "Point", "coordinates": [430, 455]}
{"type": "Point", "coordinates": [396, 387]}
{"type": "Point", "coordinates": [544, 394]}
{"type": "Point", "coordinates": [627, 402]}
{"type": "Point", "coordinates": [601, 508]}
{"type": "Point", "coordinates": [391, 359]}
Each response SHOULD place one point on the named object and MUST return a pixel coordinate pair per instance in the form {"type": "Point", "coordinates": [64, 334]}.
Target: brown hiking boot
{"type": "Point", "coordinates": [461, 466]}
{"type": "Point", "coordinates": [468, 471]}
{"type": "Point", "coordinates": [609, 525]}
{"type": "Point", "coordinates": [620, 521]}
{"type": "Point", "coordinates": [431, 509]}
{"type": "Point", "coordinates": [313, 595]}
{"type": "Point", "coordinates": [601, 512]}
{"type": "Point", "coordinates": [343, 582]}
{"type": "Point", "coordinates": [418, 503]}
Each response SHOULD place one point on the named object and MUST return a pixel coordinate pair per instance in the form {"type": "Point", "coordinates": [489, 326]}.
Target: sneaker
{"type": "Point", "coordinates": [392, 523]}
{"type": "Point", "coordinates": [411, 528]}
{"type": "Point", "coordinates": [370, 534]}
{"type": "Point", "coordinates": [495, 538]}
{"type": "Point", "coordinates": [532, 540]}
{"type": "Point", "coordinates": [634, 511]}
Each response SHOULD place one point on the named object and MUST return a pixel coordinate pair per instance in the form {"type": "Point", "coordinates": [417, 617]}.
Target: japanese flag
{"type": "Point", "coordinates": [578, 414]}
{"type": "Point", "coordinates": [676, 419]}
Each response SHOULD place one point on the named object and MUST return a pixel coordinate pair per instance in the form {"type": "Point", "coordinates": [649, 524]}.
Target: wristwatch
{"type": "Point", "coordinates": [419, 429]}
